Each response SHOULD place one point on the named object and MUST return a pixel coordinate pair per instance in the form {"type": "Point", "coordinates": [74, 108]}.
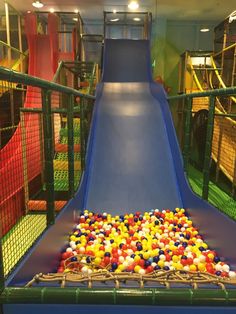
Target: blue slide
{"type": "Point", "coordinates": [133, 163]}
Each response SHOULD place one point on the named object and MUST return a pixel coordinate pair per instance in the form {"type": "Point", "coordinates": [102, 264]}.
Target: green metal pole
{"type": "Point", "coordinates": [2, 277]}
{"type": "Point", "coordinates": [70, 127]}
{"type": "Point", "coordinates": [48, 155]}
{"type": "Point", "coordinates": [187, 132]}
{"type": "Point", "coordinates": [82, 133]}
{"type": "Point", "coordinates": [208, 148]}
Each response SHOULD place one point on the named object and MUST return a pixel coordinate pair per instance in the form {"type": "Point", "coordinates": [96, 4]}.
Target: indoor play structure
{"type": "Point", "coordinates": [133, 165]}
{"type": "Point", "coordinates": [210, 70]}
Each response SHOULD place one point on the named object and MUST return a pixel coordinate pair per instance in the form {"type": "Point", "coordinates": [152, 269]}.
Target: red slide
{"type": "Point", "coordinates": [43, 60]}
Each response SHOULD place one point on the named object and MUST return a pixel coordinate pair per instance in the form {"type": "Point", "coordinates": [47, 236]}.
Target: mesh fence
{"type": "Point", "coordinates": [41, 161]}
{"type": "Point", "coordinates": [221, 166]}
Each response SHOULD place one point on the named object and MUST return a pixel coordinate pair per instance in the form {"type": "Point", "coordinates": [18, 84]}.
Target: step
{"type": "Point", "coordinates": [63, 148]}
{"type": "Point", "coordinates": [41, 205]}
{"type": "Point", "coordinates": [63, 165]}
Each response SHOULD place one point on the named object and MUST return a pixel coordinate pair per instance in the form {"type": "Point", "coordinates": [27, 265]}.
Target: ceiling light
{"type": "Point", "coordinates": [114, 11]}
{"type": "Point", "coordinates": [133, 5]}
{"type": "Point", "coordinates": [37, 4]}
{"type": "Point", "coordinates": [52, 10]}
{"type": "Point", "coordinates": [114, 20]}
{"type": "Point", "coordinates": [28, 11]}
{"type": "Point", "coordinates": [76, 11]}
{"type": "Point", "coordinates": [136, 19]}
{"type": "Point", "coordinates": [204, 30]}
{"type": "Point", "coordinates": [75, 19]}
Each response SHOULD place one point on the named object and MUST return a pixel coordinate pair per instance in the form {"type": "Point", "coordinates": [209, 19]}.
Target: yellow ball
{"type": "Point", "coordinates": [179, 266]}
{"type": "Point", "coordinates": [193, 267]}
{"type": "Point", "coordinates": [146, 255]}
{"type": "Point", "coordinates": [97, 261]}
{"type": "Point", "coordinates": [137, 258]}
{"type": "Point", "coordinates": [137, 268]}
{"type": "Point", "coordinates": [175, 258]}
{"type": "Point", "coordinates": [161, 263]}
{"type": "Point", "coordinates": [201, 267]}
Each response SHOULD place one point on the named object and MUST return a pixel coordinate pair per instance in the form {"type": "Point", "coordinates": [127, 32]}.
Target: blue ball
{"type": "Point", "coordinates": [73, 259]}
{"type": "Point", "coordinates": [147, 263]}
{"type": "Point", "coordinates": [156, 259]}
{"type": "Point", "coordinates": [157, 267]}
{"type": "Point", "coordinates": [166, 268]}
{"type": "Point", "coordinates": [114, 266]}
{"type": "Point", "coordinates": [218, 273]}
{"type": "Point", "coordinates": [216, 259]}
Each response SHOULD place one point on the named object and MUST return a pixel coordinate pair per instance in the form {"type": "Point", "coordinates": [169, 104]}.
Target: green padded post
{"type": "Point", "coordinates": [82, 133]}
{"type": "Point", "coordinates": [187, 132]}
{"type": "Point", "coordinates": [122, 296]}
{"type": "Point", "coordinates": [208, 148]}
{"type": "Point", "coordinates": [70, 126]}
{"type": "Point", "coordinates": [48, 155]}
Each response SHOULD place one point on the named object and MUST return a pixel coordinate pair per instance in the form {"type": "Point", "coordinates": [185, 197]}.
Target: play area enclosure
{"type": "Point", "coordinates": [52, 169]}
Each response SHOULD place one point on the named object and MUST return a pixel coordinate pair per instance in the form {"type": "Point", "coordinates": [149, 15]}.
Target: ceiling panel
{"type": "Point", "coordinates": [170, 9]}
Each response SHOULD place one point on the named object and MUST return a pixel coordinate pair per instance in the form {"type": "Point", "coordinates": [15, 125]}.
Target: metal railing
{"type": "Point", "coordinates": [52, 123]}
{"type": "Point", "coordinates": [188, 98]}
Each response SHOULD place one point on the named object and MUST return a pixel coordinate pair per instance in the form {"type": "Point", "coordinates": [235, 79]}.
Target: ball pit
{"type": "Point", "coordinates": [139, 243]}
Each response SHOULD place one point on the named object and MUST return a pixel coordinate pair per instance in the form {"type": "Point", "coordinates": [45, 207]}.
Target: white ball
{"type": "Point", "coordinates": [232, 274]}
{"type": "Point", "coordinates": [121, 259]}
{"type": "Point", "coordinates": [162, 257]}
{"type": "Point", "coordinates": [218, 267]}
{"type": "Point", "coordinates": [69, 249]}
{"type": "Point", "coordinates": [225, 268]}
{"type": "Point", "coordinates": [186, 268]}
{"type": "Point", "coordinates": [202, 258]}
{"type": "Point", "coordinates": [153, 264]}
{"type": "Point", "coordinates": [130, 261]}
{"type": "Point", "coordinates": [142, 271]}
{"type": "Point", "coordinates": [84, 269]}
{"type": "Point", "coordinates": [196, 261]}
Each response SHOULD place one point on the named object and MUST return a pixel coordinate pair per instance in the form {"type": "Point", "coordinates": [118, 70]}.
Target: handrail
{"type": "Point", "coordinates": [219, 77]}
{"type": "Point", "coordinates": [211, 92]}
{"type": "Point", "coordinates": [12, 48]}
{"type": "Point", "coordinates": [60, 66]}
{"type": "Point", "coordinates": [16, 77]}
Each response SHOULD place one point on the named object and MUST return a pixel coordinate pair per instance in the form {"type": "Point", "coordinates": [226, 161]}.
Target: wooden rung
{"type": "Point", "coordinates": [41, 205]}
{"type": "Point", "coordinates": [63, 148]}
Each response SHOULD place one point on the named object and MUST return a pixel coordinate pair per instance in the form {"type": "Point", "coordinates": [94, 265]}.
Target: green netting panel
{"type": "Point", "coordinates": [64, 132]}
{"type": "Point", "coordinates": [64, 156]}
{"type": "Point", "coordinates": [217, 197]}
{"type": "Point", "coordinates": [21, 237]}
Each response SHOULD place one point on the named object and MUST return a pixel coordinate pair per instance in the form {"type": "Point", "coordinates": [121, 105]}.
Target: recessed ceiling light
{"type": "Point", "coordinates": [76, 11]}
{"type": "Point", "coordinates": [136, 19]}
{"type": "Point", "coordinates": [114, 20]}
{"type": "Point", "coordinates": [114, 11]}
{"type": "Point", "coordinates": [133, 5]}
{"type": "Point", "coordinates": [52, 10]}
{"type": "Point", "coordinates": [37, 4]}
{"type": "Point", "coordinates": [75, 19]}
{"type": "Point", "coordinates": [204, 30]}
{"type": "Point", "coordinates": [28, 11]}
